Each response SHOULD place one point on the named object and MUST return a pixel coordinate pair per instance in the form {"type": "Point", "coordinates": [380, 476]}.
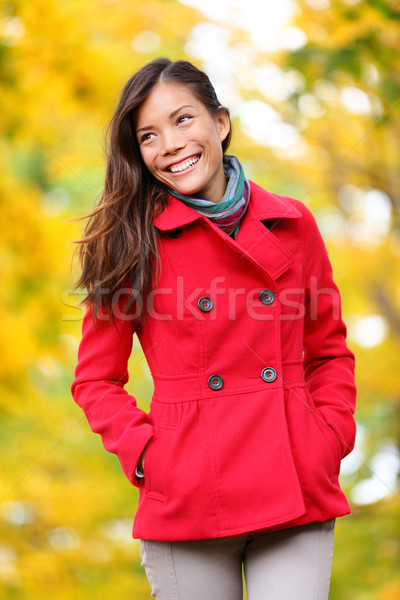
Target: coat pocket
{"type": "Point", "coordinates": [156, 461]}
{"type": "Point", "coordinates": [330, 441]}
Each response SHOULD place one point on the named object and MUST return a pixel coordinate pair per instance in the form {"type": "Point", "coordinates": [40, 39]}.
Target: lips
{"type": "Point", "coordinates": [183, 165]}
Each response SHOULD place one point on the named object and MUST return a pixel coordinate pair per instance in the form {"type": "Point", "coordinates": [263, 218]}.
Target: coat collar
{"type": "Point", "coordinates": [254, 242]}
{"type": "Point", "coordinates": [263, 205]}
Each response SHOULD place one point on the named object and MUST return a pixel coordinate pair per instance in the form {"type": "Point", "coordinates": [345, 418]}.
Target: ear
{"type": "Point", "coordinates": [223, 124]}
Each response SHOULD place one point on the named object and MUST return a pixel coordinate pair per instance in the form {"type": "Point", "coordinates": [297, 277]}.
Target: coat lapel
{"type": "Point", "coordinates": [175, 214]}
{"type": "Point", "coordinates": [255, 242]}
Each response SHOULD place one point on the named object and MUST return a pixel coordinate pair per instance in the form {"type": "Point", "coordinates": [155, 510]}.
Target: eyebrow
{"type": "Point", "coordinates": [171, 116]}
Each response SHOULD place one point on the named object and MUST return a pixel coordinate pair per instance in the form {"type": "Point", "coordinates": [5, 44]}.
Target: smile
{"type": "Point", "coordinates": [184, 165]}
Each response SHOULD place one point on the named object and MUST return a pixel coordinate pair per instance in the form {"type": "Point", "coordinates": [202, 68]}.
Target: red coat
{"type": "Point", "coordinates": [254, 393]}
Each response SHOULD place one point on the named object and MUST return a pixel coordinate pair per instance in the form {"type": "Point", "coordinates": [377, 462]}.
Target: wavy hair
{"type": "Point", "coordinates": [118, 250]}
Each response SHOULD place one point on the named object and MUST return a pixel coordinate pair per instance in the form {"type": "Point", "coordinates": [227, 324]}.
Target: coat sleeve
{"type": "Point", "coordinates": [328, 362]}
{"type": "Point", "coordinates": [98, 388]}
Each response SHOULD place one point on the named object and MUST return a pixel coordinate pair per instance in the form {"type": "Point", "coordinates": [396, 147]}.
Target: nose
{"type": "Point", "coordinates": [171, 143]}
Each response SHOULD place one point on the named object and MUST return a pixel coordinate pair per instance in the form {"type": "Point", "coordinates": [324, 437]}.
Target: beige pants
{"type": "Point", "coordinates": [292, 564]}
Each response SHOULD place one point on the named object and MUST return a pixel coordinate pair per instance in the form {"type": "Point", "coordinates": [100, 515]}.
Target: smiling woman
{"type": "Point", "coordinates": [182, 146]}
{"type": "Point", "coordinates": [230, 292]}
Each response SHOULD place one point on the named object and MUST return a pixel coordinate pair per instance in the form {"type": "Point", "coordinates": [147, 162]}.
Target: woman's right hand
{"type": "Point", "coordinates": [141, 459]}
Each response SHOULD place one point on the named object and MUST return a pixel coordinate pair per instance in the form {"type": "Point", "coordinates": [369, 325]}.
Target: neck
{"type": "Point", "coordinates": [219, 187]}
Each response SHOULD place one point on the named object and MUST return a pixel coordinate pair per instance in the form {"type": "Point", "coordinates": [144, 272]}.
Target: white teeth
{"type": "Point", "coordinates": [185, 165]}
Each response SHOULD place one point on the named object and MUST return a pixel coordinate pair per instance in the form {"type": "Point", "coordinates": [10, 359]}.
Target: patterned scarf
{"type": "Point", "coordinates": [228, 212]}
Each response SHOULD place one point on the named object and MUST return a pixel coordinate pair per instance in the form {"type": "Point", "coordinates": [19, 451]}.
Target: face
{"type": "Point", "coordinates": [180, 141]}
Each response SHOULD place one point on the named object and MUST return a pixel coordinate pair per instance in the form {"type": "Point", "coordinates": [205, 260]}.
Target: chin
{"type": "Point", "coordinates": [186, 191]}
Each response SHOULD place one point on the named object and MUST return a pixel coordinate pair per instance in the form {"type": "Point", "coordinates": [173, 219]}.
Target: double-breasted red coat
{"type": "Point", "coordinates": [254, 388]}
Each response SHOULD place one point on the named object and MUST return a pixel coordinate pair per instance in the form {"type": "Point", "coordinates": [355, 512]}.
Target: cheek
{"type": "Point", "coordinates": [147, 158]}
{"type": "Point", "coordinates": [216, 149]}
{"type": "Point", "coordinates": [214, 142]}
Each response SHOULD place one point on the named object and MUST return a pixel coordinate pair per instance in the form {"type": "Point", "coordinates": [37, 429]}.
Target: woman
{"type": "Point", "coordinates": [230, 292]}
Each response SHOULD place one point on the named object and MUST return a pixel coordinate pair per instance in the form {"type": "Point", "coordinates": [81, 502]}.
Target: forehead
{"type": "Point", "coordinates": [165, 98]}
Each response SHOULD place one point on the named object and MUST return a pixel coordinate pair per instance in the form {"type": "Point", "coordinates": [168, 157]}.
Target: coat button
{"type": "Point", "coordinates": [268, 374]}
{"type": "Point", "coordinates": [215, 382]}
{"type": "Point", "coordinates": [175, 233]}
{"type": "Point", "coordinates": [267, 297]}
{"type": "Point", "coordinates": [205, 304]}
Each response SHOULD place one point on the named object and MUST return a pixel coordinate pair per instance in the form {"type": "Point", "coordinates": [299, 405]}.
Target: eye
{"type": "Point", "coordinates": [145, 137]}
{"type": "Point", "coordinates": [184, 118]}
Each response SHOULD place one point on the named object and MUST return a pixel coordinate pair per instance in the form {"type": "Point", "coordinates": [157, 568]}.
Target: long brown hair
{"type": "Point", "coordinates": [119, 247]}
